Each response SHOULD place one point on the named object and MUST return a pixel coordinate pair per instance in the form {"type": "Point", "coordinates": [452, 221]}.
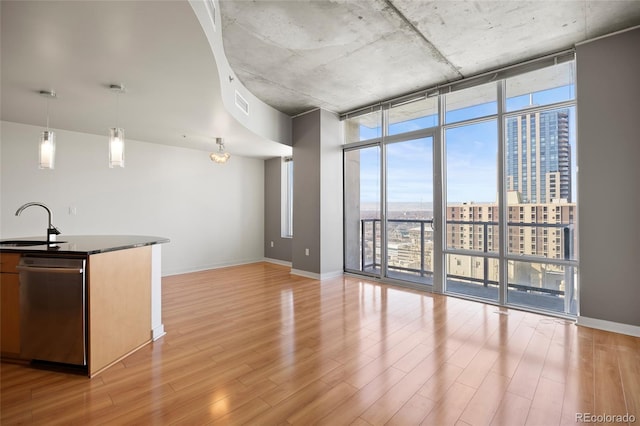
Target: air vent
{"type": "Point", "coordinates": [211, 8]}
{"type": "Point", "coordinates": [242, 103]}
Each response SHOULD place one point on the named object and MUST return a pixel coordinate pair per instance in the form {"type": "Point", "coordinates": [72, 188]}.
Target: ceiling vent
{"type": "Point", "coordinates": [242, 103]}
{"type": "Point", "coordinates": [211, 8]}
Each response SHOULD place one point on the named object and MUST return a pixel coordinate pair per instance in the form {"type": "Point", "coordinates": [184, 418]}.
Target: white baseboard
{"type": "Point", "coordinates": [316, 276]}
{"type": "Point", "coordinates": [329, 275]}
{"type": "Point", "coordinates": [616, 327]}
{"type": "Point", "coordinates": [305, 274]}
{"type": "Point", "coordinates": [158, 332]}
{"type": "Point", "coordinates": [212, 266]}
{"type": "Point", "coordinates": [278, 262]}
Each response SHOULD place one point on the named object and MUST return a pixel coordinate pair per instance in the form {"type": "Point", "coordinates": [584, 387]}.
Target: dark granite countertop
{"type": "Point", "coordinates": [83, 244]}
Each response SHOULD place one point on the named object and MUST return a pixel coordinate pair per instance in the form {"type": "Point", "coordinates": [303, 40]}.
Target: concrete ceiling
{"type": "Point", "coordinates": [294, 55]}
{"type": "Point", "coordinates": [340, 55]}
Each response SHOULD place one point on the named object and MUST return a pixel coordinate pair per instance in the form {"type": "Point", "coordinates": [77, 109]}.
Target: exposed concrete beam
{"type": "Point", "coordinates": [432, 49]}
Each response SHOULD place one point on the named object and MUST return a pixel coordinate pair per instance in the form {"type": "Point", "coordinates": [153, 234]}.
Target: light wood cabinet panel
{"type": "Point", "coordinates": [119, 292]}
{"type": "Point", "coordinates": [9, 304]}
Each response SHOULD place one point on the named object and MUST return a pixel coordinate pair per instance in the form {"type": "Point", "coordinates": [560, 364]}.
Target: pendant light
{"type": "Point", "coordinates": [47, 148]}
{"type": "Point", "coordinates": [220, 156]}
{"type": "Point", "coordinates": [116, 134]}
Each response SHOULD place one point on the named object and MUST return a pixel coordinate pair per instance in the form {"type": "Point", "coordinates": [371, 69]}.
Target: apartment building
{"type": "Point", "coordinates": [539, 156]}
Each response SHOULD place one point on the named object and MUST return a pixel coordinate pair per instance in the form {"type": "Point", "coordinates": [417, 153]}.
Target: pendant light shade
{"type": "Point", "coordinates": [116, 134]}
{"type": "Point", "coordinates": [220, 156]}
{"type": "Point", "coordinates": [47, 149]}
{"type": "Point", "coordinates": [116, 147]}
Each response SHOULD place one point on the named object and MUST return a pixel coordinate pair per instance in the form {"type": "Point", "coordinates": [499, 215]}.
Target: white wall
{"type": "Point", "coordinates": [331, 196]}
{"type": "Point", "coordinates": [213, 214]}
{"type": "Point", "coordinates": [263, 119]}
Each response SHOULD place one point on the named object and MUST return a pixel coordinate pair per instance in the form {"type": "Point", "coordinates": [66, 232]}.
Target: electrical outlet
{"type": "Point", "coordinates": [306, 252]}
{"type": "Point", "coordinates": [72, 210]}
{"type": "Point", "coordinates": [271, 243]}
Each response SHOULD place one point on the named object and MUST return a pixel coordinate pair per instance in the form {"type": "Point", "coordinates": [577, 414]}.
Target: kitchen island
{"type": "Point", "coordinates": [123, 293]}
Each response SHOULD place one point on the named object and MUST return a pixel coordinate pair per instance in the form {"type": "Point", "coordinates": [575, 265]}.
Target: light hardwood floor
{"type": "Point", "coordinates": [254, 345]}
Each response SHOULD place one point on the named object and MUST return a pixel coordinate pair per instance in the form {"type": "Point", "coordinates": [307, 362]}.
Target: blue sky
{"type": "Point", "coordinates": [410, 171]}
{"type": "Point", "coordinates": [470, 161]}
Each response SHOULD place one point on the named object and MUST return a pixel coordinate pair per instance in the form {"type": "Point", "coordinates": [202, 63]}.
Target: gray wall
{"type": "Point", "coordinates": [281, 249]}
{"type": "Point", "coordinates": [213, 213]}
{"type": "Point", "coordinates": [608, 73]}
{"type": "Point", "coordinates": [317, 194]}
{"type": "Point", "coordinates": [306, 192]}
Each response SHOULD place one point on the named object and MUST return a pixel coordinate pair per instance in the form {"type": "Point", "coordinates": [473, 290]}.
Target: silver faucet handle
{"type": "Point", "coordinates": [53, 230]}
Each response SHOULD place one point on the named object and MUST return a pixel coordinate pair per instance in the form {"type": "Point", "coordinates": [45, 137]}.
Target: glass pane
{"type": "Point", "coordinates": [287, 198]}
{"type": "Point", "coordinates": [416, 115]}
{"type": "Point", "coordinates": [475, 102]}
{"type": "Point", "coordinates": [541, 181]}
{"type": "Point", "coordinates": [363, 127]}
{"type": "Point", "coordinates": [541, 87]}
{"type": "Point", "coordinates": [471, 218]}
{"type": "Point", "coordinates": [410, 210]}
{"type": "Point", "coordinates": [542, 286]}
{"type": "Point", "coordinates": [476, 276]}
{"type": "Point", "coordinates": [471, 191]}
{"type": "Point", "coordinates": [362, 209]}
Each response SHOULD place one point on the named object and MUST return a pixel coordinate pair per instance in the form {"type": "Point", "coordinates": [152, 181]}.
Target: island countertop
{"type": "Point", "coordinates": [84, 244]}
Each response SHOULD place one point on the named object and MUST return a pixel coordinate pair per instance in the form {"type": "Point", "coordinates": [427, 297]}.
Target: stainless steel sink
{"type": "Point", "coordinates": [25, 243]}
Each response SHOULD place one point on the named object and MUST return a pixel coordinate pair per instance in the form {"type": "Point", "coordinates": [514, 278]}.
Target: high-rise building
{"type": "Point", "coordinates": [536, 229]}
{"type": "Point", "coordinates": [539, 156]}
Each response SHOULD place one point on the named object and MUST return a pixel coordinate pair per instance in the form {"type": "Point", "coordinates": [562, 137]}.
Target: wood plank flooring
{"type": "Point", "coordinates": [255, 345]}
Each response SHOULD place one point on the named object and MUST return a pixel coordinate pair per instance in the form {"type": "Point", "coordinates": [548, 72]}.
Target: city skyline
{"type": "Point", "coordinates": [471, 155]}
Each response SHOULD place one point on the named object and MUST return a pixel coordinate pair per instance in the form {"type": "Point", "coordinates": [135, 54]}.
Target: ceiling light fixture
{"type": "Point", "coordinates": [116, 134]}
{"type": "Point", "coordinates": [47, 138]}
{"type": "Point", "coordinates": [220, 156]}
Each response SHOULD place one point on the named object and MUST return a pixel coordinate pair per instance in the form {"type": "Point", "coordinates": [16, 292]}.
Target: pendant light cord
{"type": "Point", "coordinates": [47, 114]}
{"type": "Point", "coordinates": [117, 109]}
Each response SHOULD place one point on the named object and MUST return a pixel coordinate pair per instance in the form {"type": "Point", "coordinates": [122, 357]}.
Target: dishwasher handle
{"type": "Point", "coordinates": [49, 270]}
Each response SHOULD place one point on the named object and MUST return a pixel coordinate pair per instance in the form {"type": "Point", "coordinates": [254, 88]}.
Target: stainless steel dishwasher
{"type": "Point", "coordinates": [52, 309]}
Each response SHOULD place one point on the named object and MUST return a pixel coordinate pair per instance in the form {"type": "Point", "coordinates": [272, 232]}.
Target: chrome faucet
{"type": "Point", "coordinates": [51, 230]}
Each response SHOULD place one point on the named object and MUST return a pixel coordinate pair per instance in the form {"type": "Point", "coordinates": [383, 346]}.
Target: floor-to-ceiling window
{"type": "Point", "coordinates": [540, 183]}
{"type": "Point", "coordinates": [471, 219]}
{"type": "Point", "coordinates": [493, 162]}
{"type": "Point", "coordinates": [362, 212]}
{"type": "Point", "coordinates": [362, 192]}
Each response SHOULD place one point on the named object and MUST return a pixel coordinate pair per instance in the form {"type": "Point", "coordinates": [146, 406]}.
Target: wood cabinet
{"type": "Point", "coordinates": [119, 294]}
{"type": "Point", "coordinates": [118, 305]}
{"type": "Point", "coordinates": [9, 304]}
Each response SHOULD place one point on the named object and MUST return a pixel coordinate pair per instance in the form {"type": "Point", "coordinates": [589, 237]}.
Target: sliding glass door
{"type": "Point", "coordinates": [409, 216]}
{"type": "Point", "coordinates": [399, 243]}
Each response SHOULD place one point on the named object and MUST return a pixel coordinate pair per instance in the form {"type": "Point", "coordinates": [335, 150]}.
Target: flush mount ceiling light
{"type": "Point", "coordinates": [47, 147]}
{"type": "Point", "coordinates": [220, 156]}
{"type": "Point", "coordinates": [116, 134]}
